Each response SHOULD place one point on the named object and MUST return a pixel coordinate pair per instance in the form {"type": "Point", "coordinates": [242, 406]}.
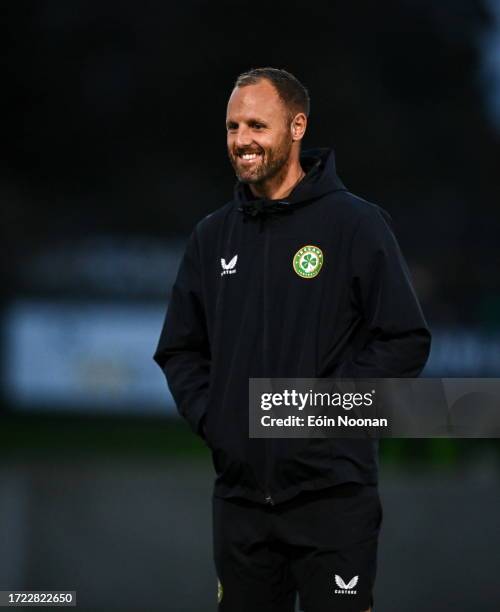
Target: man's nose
{"type": "Point", "coordinates": [243, 137]}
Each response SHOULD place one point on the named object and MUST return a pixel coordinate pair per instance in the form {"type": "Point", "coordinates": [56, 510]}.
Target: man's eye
{"type": "Point", "coordinates": [258, 126]}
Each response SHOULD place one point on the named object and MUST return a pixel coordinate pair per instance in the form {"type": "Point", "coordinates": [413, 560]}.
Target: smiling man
{"type": "Point", "coordinates": [295, 277]}
{"type": "Point", "coordinates": [264, 138]}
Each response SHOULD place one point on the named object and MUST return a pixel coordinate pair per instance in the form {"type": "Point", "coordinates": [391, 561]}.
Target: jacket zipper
{"type": "Point", "coordinates": [267, 441]}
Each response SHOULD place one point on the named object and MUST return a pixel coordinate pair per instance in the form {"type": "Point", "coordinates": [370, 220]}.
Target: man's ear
{"type": "Point", "coordinates": [298, 126]}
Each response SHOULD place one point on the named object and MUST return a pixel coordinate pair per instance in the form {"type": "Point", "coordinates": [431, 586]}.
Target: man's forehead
{"type": "Point", "coordinates": [260, 97]}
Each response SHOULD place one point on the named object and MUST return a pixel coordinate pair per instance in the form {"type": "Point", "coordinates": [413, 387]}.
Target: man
{"type": "Point", "coordinates": [295, 277]}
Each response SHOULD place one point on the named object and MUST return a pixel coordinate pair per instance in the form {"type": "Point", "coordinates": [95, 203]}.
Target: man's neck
{"type": "Point", "coordinates": [279, 186]}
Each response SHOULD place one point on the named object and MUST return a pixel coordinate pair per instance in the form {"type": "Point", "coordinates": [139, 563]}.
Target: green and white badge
{"type": "Point", "coordinates": [308, 261]}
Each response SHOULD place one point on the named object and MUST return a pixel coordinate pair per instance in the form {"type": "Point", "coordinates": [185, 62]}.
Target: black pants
{"type": "Point", "coordinates": [321, 544]}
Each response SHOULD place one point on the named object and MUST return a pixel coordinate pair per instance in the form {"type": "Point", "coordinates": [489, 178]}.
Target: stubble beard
{"type": "Point", "coordinates": [274, 162]}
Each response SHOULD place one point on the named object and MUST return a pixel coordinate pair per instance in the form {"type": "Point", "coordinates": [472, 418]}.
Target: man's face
{"type": "Point", "coordinates": [259, 139]}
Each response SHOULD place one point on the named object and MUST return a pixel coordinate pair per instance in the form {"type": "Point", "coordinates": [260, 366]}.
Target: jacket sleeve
{"type": "Point", "coordinates": [399, 338]}
{"type": "Point", "coordinates": [183, 351]}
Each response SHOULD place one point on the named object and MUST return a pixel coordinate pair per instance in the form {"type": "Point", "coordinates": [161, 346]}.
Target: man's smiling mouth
{"type": "Point", "coordinates": [249, 157]}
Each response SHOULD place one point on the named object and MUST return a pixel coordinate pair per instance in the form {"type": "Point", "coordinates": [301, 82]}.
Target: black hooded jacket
{"type": "Point", "coordinates": [239, 309]}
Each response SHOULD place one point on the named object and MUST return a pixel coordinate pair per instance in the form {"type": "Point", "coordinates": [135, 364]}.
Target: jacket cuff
{"type": "Point", "coordinates": [196, 416]}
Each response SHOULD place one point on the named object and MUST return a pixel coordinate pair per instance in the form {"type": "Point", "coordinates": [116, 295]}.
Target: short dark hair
{"type": "Point", "coordinates": [289, 88]}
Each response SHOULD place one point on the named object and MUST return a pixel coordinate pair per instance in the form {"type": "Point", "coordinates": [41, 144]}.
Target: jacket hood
{"type": "Point", "coordinates": [320, 178]}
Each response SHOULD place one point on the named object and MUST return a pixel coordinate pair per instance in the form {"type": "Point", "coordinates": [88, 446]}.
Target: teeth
{"type": "Point", "coordinates": [249, 156]}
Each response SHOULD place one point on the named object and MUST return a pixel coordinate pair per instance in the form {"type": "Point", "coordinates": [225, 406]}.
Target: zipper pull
{"type": "Point", "coordinates": [269, 500]}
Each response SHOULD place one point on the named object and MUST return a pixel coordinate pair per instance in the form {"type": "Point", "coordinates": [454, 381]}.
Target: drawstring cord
{"type": "Point", "coordinates": [260, 209]}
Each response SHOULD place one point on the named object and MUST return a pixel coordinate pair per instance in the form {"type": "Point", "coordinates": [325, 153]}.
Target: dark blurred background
{"type": "Point", "coordinates": [113, 147]}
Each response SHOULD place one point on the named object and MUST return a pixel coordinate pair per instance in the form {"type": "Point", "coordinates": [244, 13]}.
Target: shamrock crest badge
{"type": "Point", "coordinates": [308, 261]}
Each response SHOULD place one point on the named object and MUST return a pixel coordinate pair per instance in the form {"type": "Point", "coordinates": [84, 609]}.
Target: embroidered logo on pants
{"type": "Point", "coordinates": [346, 589]}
